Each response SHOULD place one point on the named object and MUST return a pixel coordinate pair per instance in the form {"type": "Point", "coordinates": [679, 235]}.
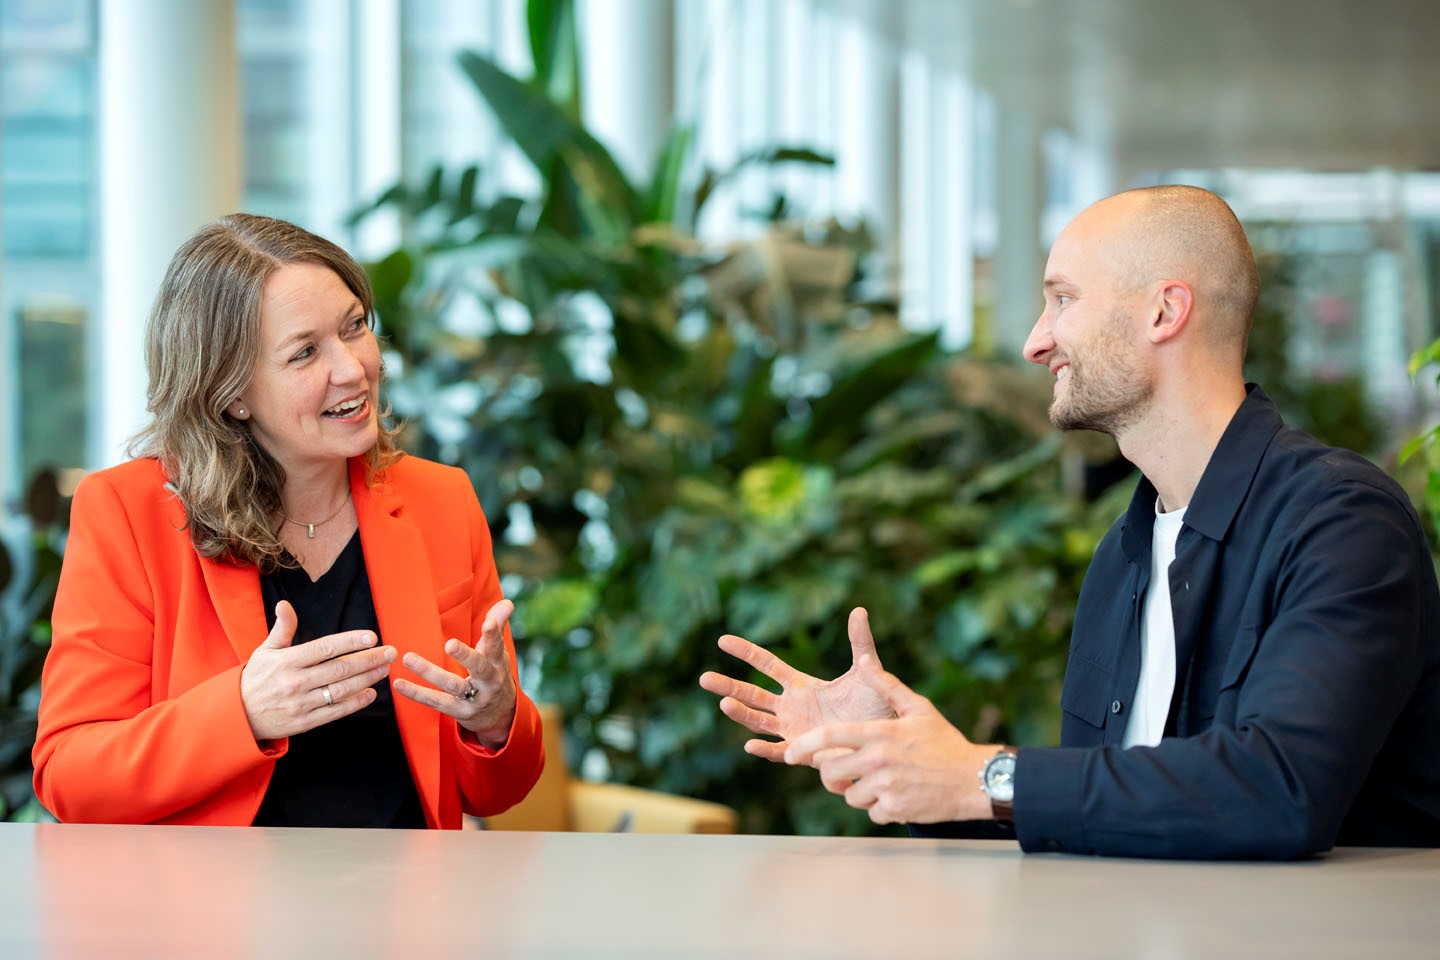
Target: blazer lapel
{"type": "Point", "coordinates": [402, 588]}
{"type": "Point", "coordinates": [235, 594]}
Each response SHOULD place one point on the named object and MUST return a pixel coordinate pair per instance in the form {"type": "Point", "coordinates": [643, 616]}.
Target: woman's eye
{"type": "Point", "coordinates": [303, 354]}
{"type": "Point", "coordinates": [358, 324]}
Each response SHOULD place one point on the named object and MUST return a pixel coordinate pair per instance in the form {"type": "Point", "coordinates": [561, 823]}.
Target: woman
{"type": "Point", "coordinates": [233, 600]}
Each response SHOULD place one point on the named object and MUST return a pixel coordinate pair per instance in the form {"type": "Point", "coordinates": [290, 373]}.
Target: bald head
{"type": "Point", "coordinates": [1182, 233]}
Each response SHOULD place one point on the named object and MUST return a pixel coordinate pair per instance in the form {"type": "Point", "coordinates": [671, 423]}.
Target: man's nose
{"type": "Point", "coordinates": [1039, 344]}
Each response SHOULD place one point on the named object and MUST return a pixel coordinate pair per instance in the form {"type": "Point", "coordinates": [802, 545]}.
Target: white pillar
{"type": "Point", "coordinates": [379, 164]}
{"type": "Point", "coordinates": [867, 135]}
{"type": "Point", "coordinates": [627, 76]}
{"type": "Point", "coordinates": [170, 161]}
{"type": "Point", "coordinates": [1019, 261]}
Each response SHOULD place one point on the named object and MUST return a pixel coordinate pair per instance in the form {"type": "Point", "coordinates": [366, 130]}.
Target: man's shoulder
{"type": "Point", "coordinates": [1299, 465]}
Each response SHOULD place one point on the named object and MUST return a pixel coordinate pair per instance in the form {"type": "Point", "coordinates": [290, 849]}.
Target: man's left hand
{"type": "Point", "coordinates": [916, 768]}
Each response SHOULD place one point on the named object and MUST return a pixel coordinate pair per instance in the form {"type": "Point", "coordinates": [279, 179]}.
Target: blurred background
{"type": "Point", "coordinates": [719, 302]}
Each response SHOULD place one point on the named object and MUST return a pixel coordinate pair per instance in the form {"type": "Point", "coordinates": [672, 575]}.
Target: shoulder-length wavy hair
{"type": "Point", "coordinates": [201, 346]}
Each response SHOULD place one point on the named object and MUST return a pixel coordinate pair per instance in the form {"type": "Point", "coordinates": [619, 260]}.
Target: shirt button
{"type": "Point", "coordinates": [1116, 706]}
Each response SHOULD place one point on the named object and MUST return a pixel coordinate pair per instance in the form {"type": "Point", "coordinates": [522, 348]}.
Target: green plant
{"type": "Point", "coordinates": [673, 443]}
{"type": "Point", "coordinates": [24, 642]}
{"type": "Point", "coordinates": [1426, 445]}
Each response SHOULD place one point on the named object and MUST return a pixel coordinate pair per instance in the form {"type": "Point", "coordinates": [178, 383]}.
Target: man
{"type": "Point", "coordinates": [1255, 665]}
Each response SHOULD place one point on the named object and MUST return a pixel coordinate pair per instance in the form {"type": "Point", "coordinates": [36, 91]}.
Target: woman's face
{"type": "Point", "coordinates": [311, 401]}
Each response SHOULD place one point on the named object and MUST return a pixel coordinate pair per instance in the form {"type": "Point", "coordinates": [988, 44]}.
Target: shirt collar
{"type": "Point", "coordinates": [1224, 484]}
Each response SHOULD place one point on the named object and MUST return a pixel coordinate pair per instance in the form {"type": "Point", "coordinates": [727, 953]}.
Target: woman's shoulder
{"type": "Point", "coordinates": [410, 472]}
{"type": "Point", "coordinates": [134, 478]}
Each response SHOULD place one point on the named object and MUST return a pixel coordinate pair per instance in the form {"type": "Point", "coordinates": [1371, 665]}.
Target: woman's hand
{"type": "Point", "coordinates": [288, 690]}
{"type": "Point", "coordinates": [483, 700]}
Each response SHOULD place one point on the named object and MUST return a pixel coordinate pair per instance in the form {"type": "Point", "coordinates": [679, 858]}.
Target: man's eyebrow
{"type": "Point", "coordinates": [1052, 282]}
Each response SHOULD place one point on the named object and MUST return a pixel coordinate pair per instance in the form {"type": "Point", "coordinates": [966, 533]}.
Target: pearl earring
{"type": "Point", "coordinates": [242, 411]}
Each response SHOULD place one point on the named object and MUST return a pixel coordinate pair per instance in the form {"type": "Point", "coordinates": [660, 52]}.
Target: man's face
{"type": "Point", "coordinates": [1088, 334]}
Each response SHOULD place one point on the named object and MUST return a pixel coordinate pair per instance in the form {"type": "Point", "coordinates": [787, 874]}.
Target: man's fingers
{"type": "Point", "coordinates": [284, 630]}
{"type": "Point", "coordinates": [756, 721]}
{"type": "Point", "coordinates": [747, 693]}
{"type": "Point", "coordinates": [761, 659]}
{"type": "Point", "coordinates": [766, 750]}
{"type": "Point", "coordinates": [901, 698]}
{"type": "Point", "coordinates": [862, 641]}
{"type": "Point", "coordinates": [853, 735]}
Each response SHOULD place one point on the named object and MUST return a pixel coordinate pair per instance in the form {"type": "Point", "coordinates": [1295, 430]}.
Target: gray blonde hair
{"type": "Point", "coordinates": [201, 346]}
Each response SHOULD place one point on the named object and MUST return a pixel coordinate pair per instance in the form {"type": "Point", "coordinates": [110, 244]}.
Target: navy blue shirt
{"type": "Point", "coordinates": [1307, 693]}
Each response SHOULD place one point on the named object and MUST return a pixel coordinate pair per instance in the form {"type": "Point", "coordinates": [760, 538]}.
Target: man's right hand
{"type": "Point", "coordinates": [805, 702]}
{"type": "Point", "coordinates": [284, 688]}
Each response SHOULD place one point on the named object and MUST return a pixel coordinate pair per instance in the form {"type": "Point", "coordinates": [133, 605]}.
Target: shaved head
{"type": "Point", "coordinates": [1182, 233]}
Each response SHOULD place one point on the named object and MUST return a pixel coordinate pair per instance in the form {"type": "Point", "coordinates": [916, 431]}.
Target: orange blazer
{"type": "Point", "coordinates": [140, 713]}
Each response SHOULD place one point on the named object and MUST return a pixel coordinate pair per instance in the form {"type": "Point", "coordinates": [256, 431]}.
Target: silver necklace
{"type": "Point", "coordinates": [310, 527]}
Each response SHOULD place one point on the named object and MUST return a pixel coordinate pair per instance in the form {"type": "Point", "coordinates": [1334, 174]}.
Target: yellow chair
{"type": "Point", "coordinates": [561, 802]}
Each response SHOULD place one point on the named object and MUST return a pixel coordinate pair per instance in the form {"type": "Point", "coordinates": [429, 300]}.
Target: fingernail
{"type": "Point", "coordinates": [789, 756]}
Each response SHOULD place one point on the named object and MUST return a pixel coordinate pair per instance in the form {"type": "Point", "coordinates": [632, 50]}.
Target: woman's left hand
{"type": "Point", "coordinates": [489, 711]}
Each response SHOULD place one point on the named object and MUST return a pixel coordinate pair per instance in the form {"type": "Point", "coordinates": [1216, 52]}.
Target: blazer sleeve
{"type": "Point", "coordinates": [493, 781]}
{"type": "Point", "coordinates": [1315, 694]}
{"type": "Point", "coordinates": [107, 749]}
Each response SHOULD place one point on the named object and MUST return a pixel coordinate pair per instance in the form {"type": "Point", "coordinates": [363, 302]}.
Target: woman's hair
{"type": "Point", "coordinates": [201, 346]}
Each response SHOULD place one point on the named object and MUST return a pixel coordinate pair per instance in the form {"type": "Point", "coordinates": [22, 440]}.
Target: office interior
{"type": "Point", "coordinates": [963, 133]}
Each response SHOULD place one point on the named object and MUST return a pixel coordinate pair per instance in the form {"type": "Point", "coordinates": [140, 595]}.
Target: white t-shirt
{"type": "Point", "coordinates": [1151, 705]}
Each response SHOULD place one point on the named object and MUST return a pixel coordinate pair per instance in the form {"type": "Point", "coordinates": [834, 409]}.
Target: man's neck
{"type": "Point", "coordinates": [1173, 442]}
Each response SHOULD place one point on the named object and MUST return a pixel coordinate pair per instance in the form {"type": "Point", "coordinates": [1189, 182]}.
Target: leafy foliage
{"type": "Point", "coordinates": [673, 442]}
{"type": "Point", "coordinates": [24, 642]}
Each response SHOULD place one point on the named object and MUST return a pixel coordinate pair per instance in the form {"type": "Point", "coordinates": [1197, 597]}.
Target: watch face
{"type": "Point", "coordinates": [1000, 777]}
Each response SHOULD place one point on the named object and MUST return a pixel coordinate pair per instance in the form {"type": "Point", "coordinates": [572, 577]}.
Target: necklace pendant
{"type": "Point", "coordinates": [310, 530]}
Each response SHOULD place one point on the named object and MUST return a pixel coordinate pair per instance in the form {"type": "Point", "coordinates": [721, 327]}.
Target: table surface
{"type": "Point", "coordinates": [157, 892]}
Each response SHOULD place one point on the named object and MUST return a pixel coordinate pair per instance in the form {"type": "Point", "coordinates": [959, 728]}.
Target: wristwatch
{"type": "Point", "coordinates": [997, 779]}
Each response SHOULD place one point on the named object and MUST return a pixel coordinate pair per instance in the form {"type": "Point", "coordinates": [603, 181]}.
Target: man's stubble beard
{"type": "Point", "coordinates": [1105, 390]}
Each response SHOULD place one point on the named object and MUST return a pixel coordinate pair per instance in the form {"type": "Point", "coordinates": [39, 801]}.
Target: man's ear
{"type": "Point", "coordinates": [1174, 302]}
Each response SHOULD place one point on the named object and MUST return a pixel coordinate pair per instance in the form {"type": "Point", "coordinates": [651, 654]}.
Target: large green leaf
{"type": "Point", "coordinates": [859, 386]}
{"type": "Point", "coordinates": [564, 153]}
{"type": "Point", "coordinates": [555, 53]}
{"type": "Point", "coordinates": [662, 200]}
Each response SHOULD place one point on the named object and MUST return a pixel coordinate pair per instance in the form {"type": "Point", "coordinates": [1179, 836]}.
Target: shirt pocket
{"type": "Point", "coordinates": [454, 605]}
{"type": "Point", "coordinates": [1086, 696]}
{"type": "Point", "coordinates": [1232, 677]}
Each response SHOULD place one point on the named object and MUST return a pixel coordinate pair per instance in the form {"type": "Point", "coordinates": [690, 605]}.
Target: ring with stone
{"type": "Point", "coordinates": [469, 693]}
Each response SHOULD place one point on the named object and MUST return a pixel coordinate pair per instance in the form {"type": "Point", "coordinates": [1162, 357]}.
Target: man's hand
{"type": "Point", "coordinates": [805, 702]}
{"type": "Point", "coordinates": [916, 768]}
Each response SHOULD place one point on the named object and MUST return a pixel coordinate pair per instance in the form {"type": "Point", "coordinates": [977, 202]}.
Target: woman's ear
{"type": "Point", "coordinates": [1176, 301]}
{"type": "Point", "coordinates": [238, 410]}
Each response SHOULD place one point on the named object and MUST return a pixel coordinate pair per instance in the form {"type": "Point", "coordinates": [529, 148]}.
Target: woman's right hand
{"type": "Point", "coordinates": [284, 688]}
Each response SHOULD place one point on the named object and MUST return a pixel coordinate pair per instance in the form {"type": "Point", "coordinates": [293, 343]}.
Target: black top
{"type": "Point", "coordinates": [351, 772]}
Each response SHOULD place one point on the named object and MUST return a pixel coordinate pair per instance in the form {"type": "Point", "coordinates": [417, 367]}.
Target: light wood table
{"type": "Point", "coordinates": [159, 892]}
